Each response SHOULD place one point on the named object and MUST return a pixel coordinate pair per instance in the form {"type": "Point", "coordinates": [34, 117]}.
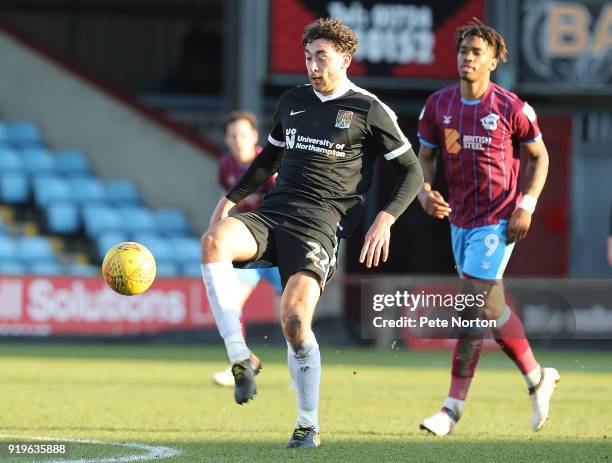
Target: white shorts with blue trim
{"type": "Point", "coordinates": [481, 252]}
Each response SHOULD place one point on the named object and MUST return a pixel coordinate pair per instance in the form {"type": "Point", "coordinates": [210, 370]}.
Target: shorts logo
{"type": "Point", "coordinates": [318, 256]}
{"type": "Point", "coordinates": [491, 242]}
{"type": "Point", "coordinates": [451, 137]}
{"type": "Point", "coordinates": [344, 119]}
{"type": "Point", "coordinates": [490, 122]}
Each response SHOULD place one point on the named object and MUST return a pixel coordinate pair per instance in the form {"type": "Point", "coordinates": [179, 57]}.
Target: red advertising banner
{"type": "Point", "coordinates": [46, 306]}
{"type": "Point", "coordinates": [408, 39]}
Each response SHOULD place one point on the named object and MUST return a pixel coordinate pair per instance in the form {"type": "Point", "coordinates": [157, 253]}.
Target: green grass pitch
{"type": "Point", "coordinates": [371, 404]}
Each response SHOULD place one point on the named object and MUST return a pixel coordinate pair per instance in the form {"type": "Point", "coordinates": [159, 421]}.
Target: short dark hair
{"type": "Point", "coordinates": [486, 33]}
{"type": "Point", "coordinates": [342, 37]}
{"type": "Point", "coordinates": [238, 116]}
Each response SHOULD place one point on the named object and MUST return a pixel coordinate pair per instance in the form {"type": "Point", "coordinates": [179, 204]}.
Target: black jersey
{"type": "Point", "coordinates": [330, 144]}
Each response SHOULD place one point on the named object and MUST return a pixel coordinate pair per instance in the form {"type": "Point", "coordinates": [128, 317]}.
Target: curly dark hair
{"type": "Point", "coordinates": [486, 33]}
{"type": "Point", "coordinates": [342, 37]}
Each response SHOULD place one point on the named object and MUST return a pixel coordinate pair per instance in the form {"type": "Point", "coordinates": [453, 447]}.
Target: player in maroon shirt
{"type": "Point", "coordinates": [481, 129]}
{"type": "Point", "coordinates": [241, 139]}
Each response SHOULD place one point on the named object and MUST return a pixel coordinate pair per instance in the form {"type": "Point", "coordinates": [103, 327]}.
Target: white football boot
{"type": "Point", "coordinates": [540, 396]}
{"type": "Point", "coordinates": [224, 378]}
{"type": "Point", "coordinates": [440, 424]}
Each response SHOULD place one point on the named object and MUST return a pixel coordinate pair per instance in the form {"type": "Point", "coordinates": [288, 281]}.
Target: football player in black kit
{"type": "Point", "coordinates": [325, 139]}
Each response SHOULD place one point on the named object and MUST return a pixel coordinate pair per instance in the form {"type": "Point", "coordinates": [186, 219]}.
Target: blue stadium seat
{"type": "Point", "coordinates": [158, 246]}
{"type": "Point", "coordinates": [51, 188]}
{"type": "Point", "coordinates": [71, 163]}
{"type": "Point", "coordinates": [38, 161]}
{"type": "Point", "coordinates": [98, 219]}
{"type": "Point", "coordinates": [106, 240]}
{"type": "Point", "coordinates": [138, 219]}
{"type": "Point", "coordinates": [167, 269]}
{"type": "Point", "coordinates": [35, 248]}
{"type": "Point", "coordinates": [12, 267]}
{"type": "Point", "coordinates": [45, 267]}
{"type": "Point", "coordinates": [8, 248]}
{"type": "Point", "coordinates": [25, 134]}
{"type": "Point", "coordinates": [62, 217]}
{"type": "Point", "coordinates": [191, 269]}
{"type": "Point", "coordinates": [172, 222]}
{"type": "Point", "coordinates": [186, 249]}
{"type": "Point", "coordinates": [122, 192]}
{"type": "Point", "coordinates": [83, 270]}
{"type": "Point", "coordinates": [88, 190]}
{"type": "Point", "coordinates": [14, 188]}
{"type": "Point", "coordinates": [10, 160]}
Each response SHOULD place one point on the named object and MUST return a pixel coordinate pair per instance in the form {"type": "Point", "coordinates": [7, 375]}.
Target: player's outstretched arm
{"type": "Point", "coordinates": [432, 201]}
{"type": "Point", "coordinates": [535, 178]}
{"type": "Point", "coordinates": [264, 166]}
{"type": "Point", "coordinates": [376, 243]}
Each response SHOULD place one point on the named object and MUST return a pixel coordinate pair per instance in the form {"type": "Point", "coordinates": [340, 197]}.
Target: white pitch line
{"type": "Point", "coordinates": [152, 452]}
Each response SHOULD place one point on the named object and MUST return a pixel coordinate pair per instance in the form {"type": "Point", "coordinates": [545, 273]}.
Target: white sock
{"type": "Point", "coordinates": [220, 280]}
{"type": "Point", "coordinates": [305, 369]}
{"type": "Point", "coordinates": [533, 377]}
{"type": "Point", "coordinates": [454, 405]}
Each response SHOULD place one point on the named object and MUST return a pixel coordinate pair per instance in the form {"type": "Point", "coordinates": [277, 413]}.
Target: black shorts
{"type": "Point", "coordinates": [290, 245]}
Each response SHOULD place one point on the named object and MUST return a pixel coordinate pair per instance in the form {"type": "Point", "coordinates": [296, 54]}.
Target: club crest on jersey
{"type": "Point", "coordinates": [343, 119]}
{"type": "Point", "coordinates": [490, 122]}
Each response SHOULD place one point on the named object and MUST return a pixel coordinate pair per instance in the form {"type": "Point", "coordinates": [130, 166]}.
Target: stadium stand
{"type": "Point", "coordinates": [72, 163]}
{"type": "Point", "coordinates": [24, 134]}
{"type": "Point", "coordinates": [13, 187]}
{"type": "Point", "coordinates": [58, 217]}
{"type": "Point", "coordinates": [121, 192]}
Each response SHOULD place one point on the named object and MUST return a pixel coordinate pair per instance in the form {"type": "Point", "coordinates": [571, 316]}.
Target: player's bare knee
{"type": "Point", "coordinates": [212, 244]}
{"type": "Point", "coordinates": [493, 312]}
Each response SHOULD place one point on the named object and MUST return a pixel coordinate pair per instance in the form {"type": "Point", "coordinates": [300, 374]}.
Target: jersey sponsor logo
{"type": "Point", "coordinates": [293, 113]}
{"type": "Point", "coordinates": [451, 137]}
{"type": "Point", "coordinates": [344, 119]}
{"type": "Point", "coordinates": [290, 138]}
{"type": "Point", "coordinates": [529, 112]}
{"type": "Point", "coordinates": [475, 142]}
{"type": "Point", "coordinates": [490, 122]}
{"type": "Point", "coordinates": [318, 256]}
{"type": "Point", "coordinates": [316, 145]}
{"type": "Point", "coordinates": [446, 119]}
